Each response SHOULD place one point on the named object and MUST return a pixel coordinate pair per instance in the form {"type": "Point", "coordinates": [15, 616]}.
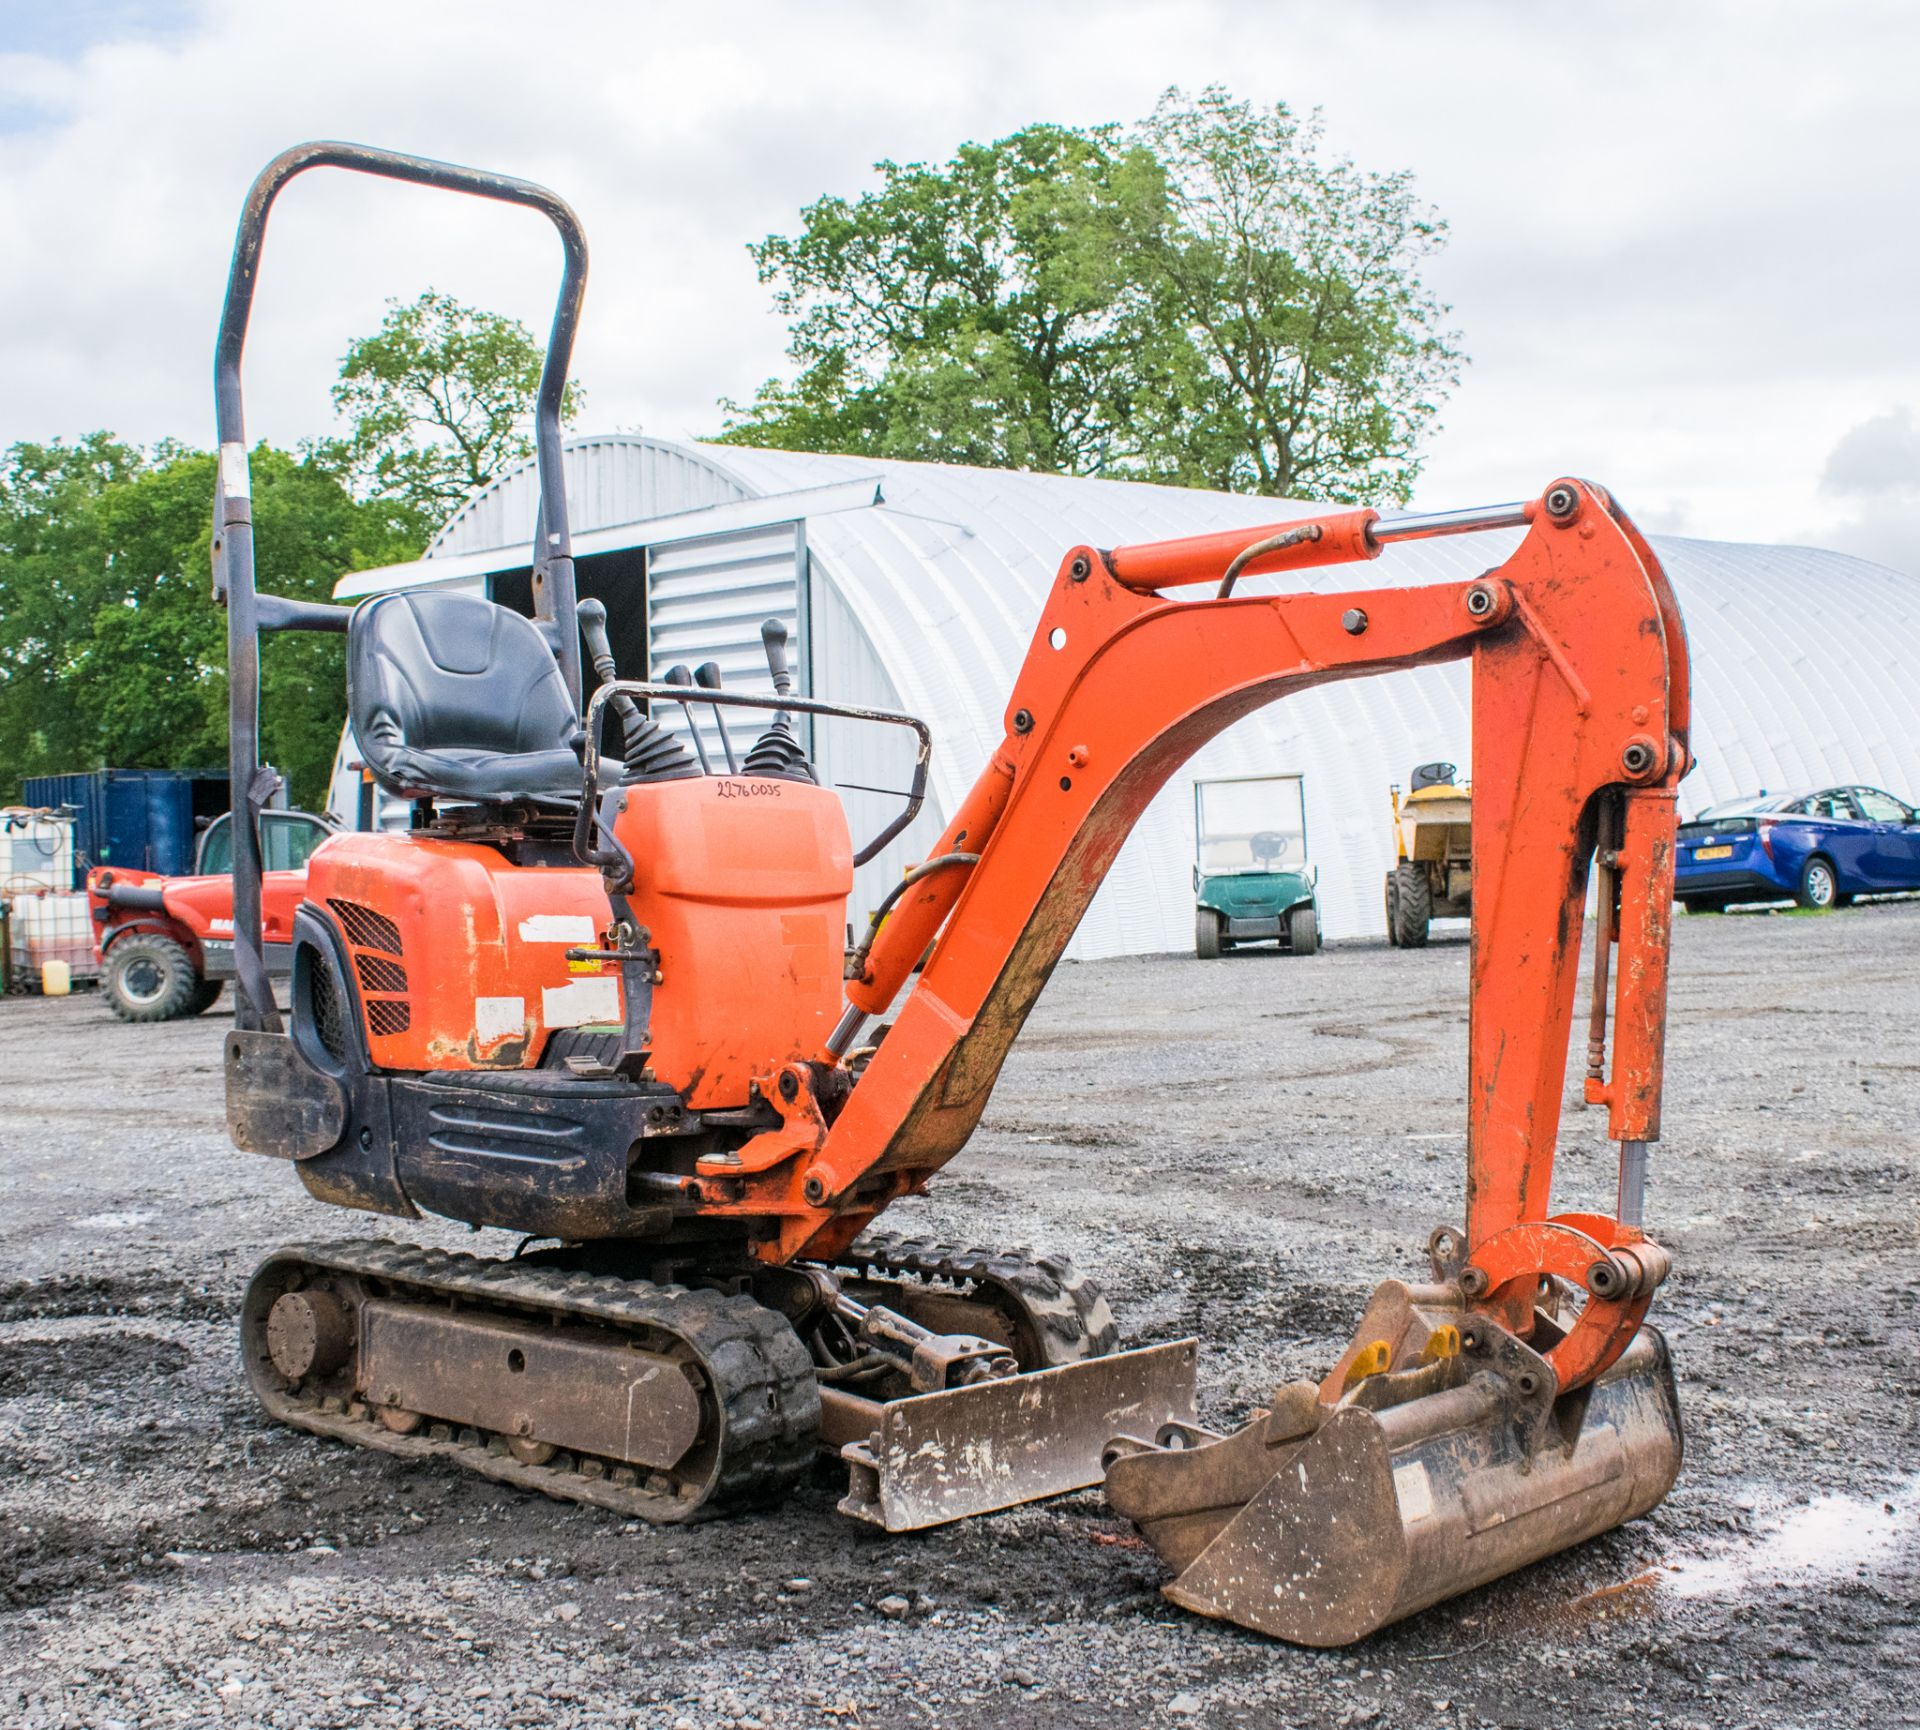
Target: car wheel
{"type": "Point", "coordinates": [1393, 912]}
{"type": "Point", "coordinates": [1414, 909]}
{"type": "Point", "coordinates": [1206, 934]}
{"type": "Point", "coordinates": [152, 978]}
{"type": "Point", "coordinates": [1819, 887]}
{"type": "Point", "coordinates": [1303, 930]}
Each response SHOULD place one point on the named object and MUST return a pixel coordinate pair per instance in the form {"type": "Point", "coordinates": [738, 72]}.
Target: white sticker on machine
{"type": "Point", "coordinates": [558, 928]}
{"type": "Point", "coordinates": [235, 482]}
{"type": "Point", "coordinates": [583, 1002]}
{"type": "Point", "coordinates": [497, 1018]}
{"type": "Point", "coordinates": [1415, 1491]}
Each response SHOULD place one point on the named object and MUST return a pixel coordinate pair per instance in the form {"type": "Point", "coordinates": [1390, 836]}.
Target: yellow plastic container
{"type": "Point", "coordinates": [56, 978]}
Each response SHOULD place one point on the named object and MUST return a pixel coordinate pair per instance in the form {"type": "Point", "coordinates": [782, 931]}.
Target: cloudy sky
{"type": "Point", "coordinates": [1684, 256]}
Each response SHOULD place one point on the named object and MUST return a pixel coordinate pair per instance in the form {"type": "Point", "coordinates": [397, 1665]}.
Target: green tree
{"type": "Point", "coordinates": [1315, 357]}
{"type": "Point", "coordinates": [1202, 298]}
{"type": "Point", "coordinates": [967, 312]}
{"type": "Point", "coordinates": [112, 652]}
{"type": "Point", "coordinates": [439, 401]}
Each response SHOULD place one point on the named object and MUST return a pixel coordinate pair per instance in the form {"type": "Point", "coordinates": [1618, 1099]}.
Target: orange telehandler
{"type": "Point", "coordinates": [598, 995]}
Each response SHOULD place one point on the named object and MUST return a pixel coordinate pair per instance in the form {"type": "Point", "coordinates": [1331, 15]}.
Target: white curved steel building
{"type": "Point", "coordinates": [916, 586]}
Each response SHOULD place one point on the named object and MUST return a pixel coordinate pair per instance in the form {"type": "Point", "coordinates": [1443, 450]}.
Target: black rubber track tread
{"type": "Point", "coordinates": [1067, 1310]}
{"type": "Point", "coordinates": [760, 1375]}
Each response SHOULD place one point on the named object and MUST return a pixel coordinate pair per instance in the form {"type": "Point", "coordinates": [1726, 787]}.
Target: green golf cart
{"type": "Point", "coordinates": [1251, 879]}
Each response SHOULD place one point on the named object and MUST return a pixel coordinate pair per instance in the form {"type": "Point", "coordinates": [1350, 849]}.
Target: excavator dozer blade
{"type": "Point", "coordinates": [931, 1458]}
{"type": "Point", "coordinates": [1321, 1524]}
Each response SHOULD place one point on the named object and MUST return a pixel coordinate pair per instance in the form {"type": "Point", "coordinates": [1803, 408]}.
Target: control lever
{"type": "Point", "coordinates": [707, 677]}
{"type": "Point", "coordinates": [592, 615]}
{"type": "Point", "coordinates": [774, 635]}
{"type": "Point", "coordinates": [680, 676]}
{"type": "Point", "coordinates": [778, 752]}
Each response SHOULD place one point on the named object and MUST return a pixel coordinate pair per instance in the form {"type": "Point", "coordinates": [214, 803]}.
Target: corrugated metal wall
{"type": "Point", "coordinates": [609, 480]}
{"type": "Point", "coordinates": [707, 600]}
{"type": "Point", "coordinates": [1803, 659]}
{"type": "Point", "coordinates": [853, 757]}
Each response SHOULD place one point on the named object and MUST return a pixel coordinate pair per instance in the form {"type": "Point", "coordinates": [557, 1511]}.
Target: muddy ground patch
{"type": "Point", "coordinates": [1238, 1149]}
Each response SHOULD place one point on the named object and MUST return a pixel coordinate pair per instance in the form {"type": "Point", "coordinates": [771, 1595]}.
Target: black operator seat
{"type": "Point", "coordinates": [453, 697]}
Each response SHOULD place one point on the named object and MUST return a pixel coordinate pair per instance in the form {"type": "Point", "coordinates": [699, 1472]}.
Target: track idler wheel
{"type": "Point", "coordinates": [1440, 1455]}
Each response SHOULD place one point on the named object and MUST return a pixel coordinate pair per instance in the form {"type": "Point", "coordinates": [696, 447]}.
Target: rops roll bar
{"type": "Point", "coordinates": [249, 613]}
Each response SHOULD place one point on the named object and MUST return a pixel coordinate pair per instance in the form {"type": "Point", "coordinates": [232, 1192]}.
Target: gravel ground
{"type": "Point", "coordinates": [1239, 1151]}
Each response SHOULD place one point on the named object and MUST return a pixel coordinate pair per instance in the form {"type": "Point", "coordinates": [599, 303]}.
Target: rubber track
{"type": "Point", "coordinates": [758, 1371]}
{"type": "Point", "coordinates": [1068, 1311]}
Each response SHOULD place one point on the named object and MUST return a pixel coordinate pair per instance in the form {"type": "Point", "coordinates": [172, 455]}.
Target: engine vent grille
{"type": "Point", "coordinates": [384, 1017]}
{"type": "Point", "coordinates": [324, 1006]}
{"type": "Point", "coordinates": [365, 928]}
{"type": "Point", "coordinates": [379, 974]}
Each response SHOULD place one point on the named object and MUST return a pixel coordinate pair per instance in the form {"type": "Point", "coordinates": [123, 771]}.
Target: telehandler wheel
{"type": "Point", "coordinates": [1393, 912]}
{"type": "Point", "coordinates": [1303, 931]}
{"type": "Point", "coordinates": [1413, 906]}
{"type": "Point", "coordinates": [152, 978]}
{"type": "Point", "coordinates": [1206, 934]}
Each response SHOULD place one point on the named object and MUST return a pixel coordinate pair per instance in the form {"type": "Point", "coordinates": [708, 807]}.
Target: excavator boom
{"type": "Point", "coordinates": [1580, 724]}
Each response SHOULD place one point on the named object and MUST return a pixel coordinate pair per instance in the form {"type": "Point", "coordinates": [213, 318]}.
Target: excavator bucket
{"type": "Point", "coordinates": [1424, 1466]}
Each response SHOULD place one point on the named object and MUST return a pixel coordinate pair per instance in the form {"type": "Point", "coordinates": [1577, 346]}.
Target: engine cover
{"type": "Point", "coordinates": [742, 882]}
{"type": "Point", "coordinates": [460, 957]}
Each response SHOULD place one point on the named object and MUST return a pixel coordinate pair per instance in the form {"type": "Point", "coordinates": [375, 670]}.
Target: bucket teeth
{"type": "Point", "coordinates": [1382, 1492]}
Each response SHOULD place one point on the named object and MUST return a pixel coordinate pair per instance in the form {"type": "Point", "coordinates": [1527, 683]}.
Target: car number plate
{"type": "Point", "coordinates": [1700, 853]}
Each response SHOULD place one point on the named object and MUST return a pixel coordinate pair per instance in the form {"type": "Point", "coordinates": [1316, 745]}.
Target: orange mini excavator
{"type": "Point", "coordinates": [599, 995]}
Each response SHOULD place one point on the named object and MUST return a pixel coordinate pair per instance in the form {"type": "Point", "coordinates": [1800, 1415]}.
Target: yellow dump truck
{"type": "Point", "coordinates": [1433, 843]}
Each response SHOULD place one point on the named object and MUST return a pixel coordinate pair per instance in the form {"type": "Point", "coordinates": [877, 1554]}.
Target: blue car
{"type": "Point", "coordinates": [1820, 848]}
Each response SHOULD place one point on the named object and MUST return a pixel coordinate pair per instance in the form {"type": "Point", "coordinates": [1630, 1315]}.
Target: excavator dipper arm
{"type": "Point", "coordinates": [1515, 1404]}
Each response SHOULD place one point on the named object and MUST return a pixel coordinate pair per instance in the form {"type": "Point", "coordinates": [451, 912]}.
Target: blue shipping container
{"type": "Point", "coordinates": [141, 819]}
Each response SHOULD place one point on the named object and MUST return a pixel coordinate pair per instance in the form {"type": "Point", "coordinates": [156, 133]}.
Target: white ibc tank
{"type": "Point", "coordinates": [36, 851]}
